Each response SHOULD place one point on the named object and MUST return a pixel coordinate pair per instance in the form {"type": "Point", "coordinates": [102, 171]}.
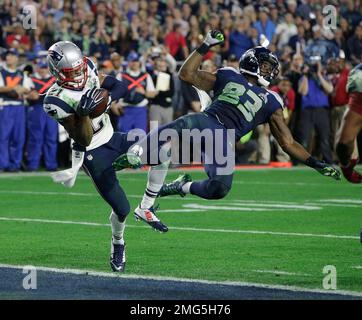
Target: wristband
{"type": "Point", "coordinates": [203, 49]}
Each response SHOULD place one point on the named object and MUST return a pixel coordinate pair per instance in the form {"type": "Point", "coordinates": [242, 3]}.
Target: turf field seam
{"type": "Point", "coordinates": [260, 232]}
{"type": "Point", "coordinates": [94, 273]}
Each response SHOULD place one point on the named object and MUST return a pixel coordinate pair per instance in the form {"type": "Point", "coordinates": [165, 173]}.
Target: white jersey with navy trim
{"type": "Point", "coordinates": [61, 102]}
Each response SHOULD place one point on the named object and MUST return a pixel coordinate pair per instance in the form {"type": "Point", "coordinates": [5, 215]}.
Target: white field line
{"type": "Point", "coordinates": [261, 205]}
{"type": "Point", "coordinates": [260, 232]}
{"type": "Point", "coordinates": [283, 273]}
{"type": "Point", "coordinates": [357, 267]}
{"type": "Point", "coordinates": [353, 201]}
{"type": "Point", "coordinates": [93, 273]}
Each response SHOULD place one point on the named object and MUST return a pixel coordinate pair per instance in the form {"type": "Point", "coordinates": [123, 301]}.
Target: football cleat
{"type": "Point", "coordinates": [118, 257]}
{"type": "Point", "coordinates": [350, 174]}
{"type": "Point", "coordinates": [149, 216]}
{"type": "Point", "coordinates": [127, 160]}
{"type": "Point", "coordinates": [175, 187]}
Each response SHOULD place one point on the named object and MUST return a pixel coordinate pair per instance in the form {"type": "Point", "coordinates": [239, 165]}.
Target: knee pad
{"type": "Point", "coordinates": [217, 189]}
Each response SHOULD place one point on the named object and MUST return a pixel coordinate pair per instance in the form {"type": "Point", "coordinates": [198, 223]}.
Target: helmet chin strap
{"type": "Point", "coordinates": [263, 82]}
{"type": "Point", "coordinates": [261, 79]}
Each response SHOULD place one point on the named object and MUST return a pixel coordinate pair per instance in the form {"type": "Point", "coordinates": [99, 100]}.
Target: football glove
{"type": "Point", "coordinates": [213, 38]}
{"type": "Point", "coordinates": [88, 102]}
{"type": "Point", "coordinates": [324, 168]}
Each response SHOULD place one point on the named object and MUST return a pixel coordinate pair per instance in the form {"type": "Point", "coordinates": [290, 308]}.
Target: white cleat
{"type": "Point", "coordinates": [149, 216]}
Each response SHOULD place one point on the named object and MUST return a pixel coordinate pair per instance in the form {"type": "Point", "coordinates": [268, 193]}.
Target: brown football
{"type": "Point", "coordinates": [102, 105]}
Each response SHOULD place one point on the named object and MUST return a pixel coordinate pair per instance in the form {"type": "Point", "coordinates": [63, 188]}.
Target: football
{"type": "Point", "coordinates": [102, 105]}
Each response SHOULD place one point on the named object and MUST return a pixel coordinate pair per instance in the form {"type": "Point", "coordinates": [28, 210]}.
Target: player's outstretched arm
{"type": "Point", "coordinates": [190, 71]}
{"type": "Point", "coordinates": [282, 134]}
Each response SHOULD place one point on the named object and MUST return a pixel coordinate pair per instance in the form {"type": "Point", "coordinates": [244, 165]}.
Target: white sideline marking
{"type": "Point", "coordinates": [223, 208]}
{"type": "Point", "coordinates": [357, 267]}
{"type": "Point", "coordinates": [284, 273]}
{"type": "Point", "coordinates": [174, 279]}
{"type": "Point", "coordinates": [332, 236]}
{"type": "Point", "coordinates": [354, 201]}
{"type": "Point", "coordinates": [256, 204]}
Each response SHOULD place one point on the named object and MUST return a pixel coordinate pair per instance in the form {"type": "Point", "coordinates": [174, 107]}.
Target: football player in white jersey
{"type": "Point", "coordinates": [70, 101]}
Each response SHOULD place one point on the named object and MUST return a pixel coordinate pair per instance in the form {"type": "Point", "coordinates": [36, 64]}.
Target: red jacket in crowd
{"type": "Point", "coordinates": [340, 95]}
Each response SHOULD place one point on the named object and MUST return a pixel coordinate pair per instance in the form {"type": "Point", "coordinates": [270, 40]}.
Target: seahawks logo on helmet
{"type": "Point", "coordinates": [56, 56]}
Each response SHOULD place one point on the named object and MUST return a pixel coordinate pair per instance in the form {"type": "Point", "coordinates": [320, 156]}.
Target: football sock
{"type": "Point", "coordinates": [156, 177]}
{"type": "Point", "coordinates": [186, 187]}
{"type": "Point", "coordinates": [117, 229]}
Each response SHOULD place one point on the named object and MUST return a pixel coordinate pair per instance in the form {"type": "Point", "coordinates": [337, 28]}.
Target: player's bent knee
{"type": "Point", "coordinates": [217, 189]}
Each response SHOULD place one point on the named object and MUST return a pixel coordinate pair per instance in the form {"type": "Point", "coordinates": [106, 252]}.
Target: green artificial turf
{"type": "Point", "coordinates": [285, 216]}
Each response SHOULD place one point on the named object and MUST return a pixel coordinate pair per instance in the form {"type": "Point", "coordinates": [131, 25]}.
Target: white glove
{"type": "Point", "coordinates": [213, 38]}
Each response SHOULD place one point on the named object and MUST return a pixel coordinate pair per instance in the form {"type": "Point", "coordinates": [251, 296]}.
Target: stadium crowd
{"type": "Point", "coordinates": [145, 42]}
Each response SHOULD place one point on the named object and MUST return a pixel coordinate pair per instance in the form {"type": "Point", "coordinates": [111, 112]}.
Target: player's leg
{"type": "Point", "coordinates": [98, 165]}
{"type": "Point", "coordinates": [7, 121]}
{"type": "Point", "coordinates": [35, 136]}
{"type": "Point", "coordinates": [351, 126]}
{"type": "Point", "coordinates": [50, 143]}
{"type": "Point", "coordinates": [121, 142]}
{"type": "Point", "coordinates": [219, 161]}
{"type": "Point", "coordinates": [156, 177]}
{"type": "Point", "coordinates": [17, 139]}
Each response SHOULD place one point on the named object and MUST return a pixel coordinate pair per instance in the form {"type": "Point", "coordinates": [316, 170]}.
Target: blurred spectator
{"type": "Point", "coordinates": [116, 61]}
{"type": "Point", "coordinates": [286, 92]}
{"type": "Point", "coordinates": [176, 43]}
{"type": "Point", "coordinates": [314, 88]}
{"type": "Point", "coordinates": [17, 39]}
{"type": "Point", "coordinates": [239, 40]}
{"type": "Point", "coordinates": [135, 106]}
{"type": "Point", "coordinates": [355, 46]}
{"type": "Point", "coordinates": [161, 110]}
{"type": "Point", "coordinates": [264, 25]}
{"type": "Point", "coordinates": [351, 13]}
{"type": "Point", "coordinates": [42, 130]}
{"type": "Point", "coordinates": [338, 72]}
{"type": "Point", "coordinates": [102, 37]}
{"type": "Point", "coordinates": [284, 31]}
{"type": "Point", "coordinates": [86, 42]}
{"type": "Point", "coordinates": [107, 31]}
{"type": "Point", "coordinates": [63, 33]}
{"type": "Point", "coordinates": [14, 84]}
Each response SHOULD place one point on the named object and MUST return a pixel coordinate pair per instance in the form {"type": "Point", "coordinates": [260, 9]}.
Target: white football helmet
{"type": "Point", "coordinates": [68, 65]}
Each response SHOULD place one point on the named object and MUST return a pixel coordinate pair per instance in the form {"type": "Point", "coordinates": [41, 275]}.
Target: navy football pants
{"type": "Point", "coordinates": [98, 165]}
{"type": "Point", "coordinates": [42, 133]}
{"type": "Point", "coordinates": [219, 181]}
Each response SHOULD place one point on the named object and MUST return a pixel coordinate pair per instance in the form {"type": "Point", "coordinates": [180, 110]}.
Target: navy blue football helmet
{"type": "Point", "coordinates": [261, 63]}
